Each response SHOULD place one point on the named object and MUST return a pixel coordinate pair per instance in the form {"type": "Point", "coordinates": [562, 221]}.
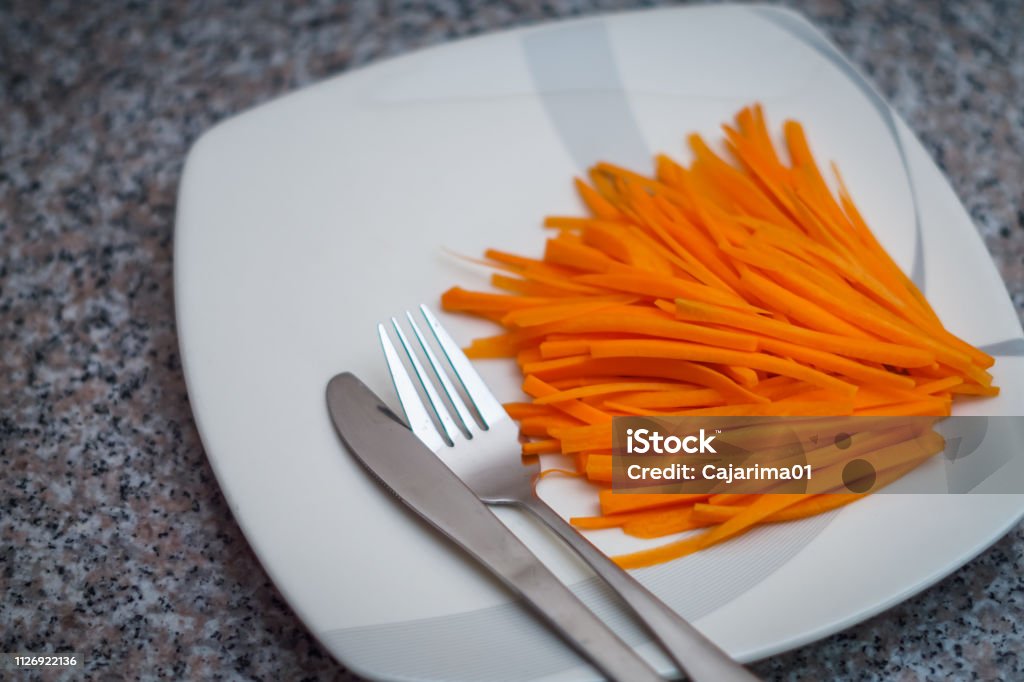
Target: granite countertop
{"type": "Point", "coordinates": [116, 541]}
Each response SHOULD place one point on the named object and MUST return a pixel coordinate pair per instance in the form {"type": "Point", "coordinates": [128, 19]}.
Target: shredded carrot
{"type": "Point", "coordinates": [572, 407]}
{"type": "Point", "coordinates": [606, 520]}
{"type": "Point", "coordinates": [741, 284]}
{"type": "Point", "coordinates": [540, 447]}
{"type": "Point", "coordinates": [755, 513]}
{"type": "Point", "coordinates": [661, 522]}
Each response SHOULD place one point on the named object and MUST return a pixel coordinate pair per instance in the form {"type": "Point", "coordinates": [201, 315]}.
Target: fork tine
{"type": "Point", "coordinates": [415, 414]}
{"type": "Point", "coordinates": [465, 416]}
{"type": "Point", "coordinates": [490, 410]}
{"type": "Point", "coordinates": [451, 432]}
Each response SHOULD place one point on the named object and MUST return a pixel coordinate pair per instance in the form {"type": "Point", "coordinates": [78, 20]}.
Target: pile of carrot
{"type": "Point", "coordinates": [739, 285]}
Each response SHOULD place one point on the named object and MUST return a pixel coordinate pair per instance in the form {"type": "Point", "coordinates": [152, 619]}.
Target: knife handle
{"type": "Point", "coordinates": [520, 570]}
{"type": "Point", "coordinates": [411, 470]}
{"type": "Point", "coordinates": [695, 654]}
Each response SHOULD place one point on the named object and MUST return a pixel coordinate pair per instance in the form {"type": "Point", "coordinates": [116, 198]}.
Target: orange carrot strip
{"type": "Point", "coordinates": [536, 388]}
{"type": "Point", "coordinates": [458, 299]}
{"type": "Point", "coordinates": [601, 389]}
{"type": "Point", "coordinates": [527, 410]}
{"type": "Point", "coordinates": [618, 241]}
{"type": "Point", "coordinates": [982, 359]}
{"type": "Point", "coordinates": [679, 370]}
{"type": "Point", "coordinates": [876, 321]}
{"type": "Point", "coordinates": [669, 398]}
{"type": "Point", "coordinates": [577, 256]}
{"type": "Point", "coordinates": [540, 427]}
{"type": "Point", "coordinates": [619, 320]}
{"type": "Point", "coordinates": [693, 352]}
{"type": "Point", "coordinates": [598, 470]}
{"type": "Point", "coordinates": [698, 245]}
{"type": "Point", "coordinates": [714, 513]}
{"type": "Point", "coordinates": [597, 204]}
{"type": "Point", "coordinates": [755, 513]}
{"type": "Point", "coordinates": [920, 408]}
{"type": "Point", "coordinates": [585, 438]}
{"type": "Point", "coordinates": [552, 350]}
{"type": "Point", "coordinates": [542, 447]}
{"type": "Point", "coordinates": [542, 314]}
{"type": "Point", "coordinates": [779, 408]}
{"type": "Point", "coordinates": [617, 503]}
{"type": "Point", "coordinates": [741, 189]}
{"type": "Point", "coordinates": [975, 389]}
{"type": "Point", "coordinates": [584, 380]}
{"type": "Point", "coordinates": [660, 286]}
{"type": "Point", "coordinates": [544, 368]}
{"type": "Point", "coordinates": [939, 385]}
{"type": "Point", "coordinates": [730, 499]}
{"type": "Point", "coordinates": [527, 287]}
{"type": "Point", "coordinates": [660, 522]}
{"type": "Point", "coordinates": [835, 363]}
{"type": "Point", "coordinates": [605, 521]}
{"type": "Point", "coordinates": [864, 349]}
{"type": "Point", "coordinates": [744, 376]}
{"type": "Point", "coordinates": [814, 505]}
{"type": "Point", "coordinates": [797, 308]}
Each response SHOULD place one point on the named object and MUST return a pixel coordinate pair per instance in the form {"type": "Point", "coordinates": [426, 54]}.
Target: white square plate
{"type": "Point", "coordinates": [305, 221]}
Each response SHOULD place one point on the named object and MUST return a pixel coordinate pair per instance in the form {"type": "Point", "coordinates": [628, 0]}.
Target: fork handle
{"type": "Point", "coordinates": [694, 653]}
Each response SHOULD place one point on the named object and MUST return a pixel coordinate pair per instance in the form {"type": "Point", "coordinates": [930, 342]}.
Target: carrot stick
{"type": "Point", "coordinates": [541, 447]}
{"type": "Point", "coordinates": [656, 326]}
{"type": "Point", "coordinates": [755, 513]}
{"type": "Point", "coordinates": [533, 386]}
{"type": "Point", "coordinates": [658, 523]}
{"type": "Point", "coordinates": [600, 389]}
{"type": "Point", "coordinates": [863, 374]}
{"type": "Point", "coordinates": [606, 521]}
{"type": "Point", "coordinates": [597, 204]}
{"type": "Point", "coordinates": [863, 349]}
{"type": "Point", "coordinates": [616, 503]}
{"type": "Point", "coordinates": [680, 350]}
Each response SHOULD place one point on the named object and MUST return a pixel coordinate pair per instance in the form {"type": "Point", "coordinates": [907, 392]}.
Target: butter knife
{"type": "Point", "coordinates": [403, 464]}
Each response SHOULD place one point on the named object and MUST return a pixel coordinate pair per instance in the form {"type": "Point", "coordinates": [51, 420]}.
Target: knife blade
{"type": "Point", "coordinates": [382, 443]}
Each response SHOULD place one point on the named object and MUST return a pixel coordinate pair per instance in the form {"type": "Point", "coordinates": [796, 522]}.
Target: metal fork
{"type": "Point", "coordinates": [485, 456]}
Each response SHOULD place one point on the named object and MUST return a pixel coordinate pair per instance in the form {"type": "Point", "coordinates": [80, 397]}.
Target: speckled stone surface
{"type": "Point", "coordinates": [114, 537]}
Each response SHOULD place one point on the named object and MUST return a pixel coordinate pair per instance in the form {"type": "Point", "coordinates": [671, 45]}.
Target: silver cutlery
{"type": "Point", "coordinates": [410, 470]}
{"type": "Point", "coordinates": [483, 451]}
